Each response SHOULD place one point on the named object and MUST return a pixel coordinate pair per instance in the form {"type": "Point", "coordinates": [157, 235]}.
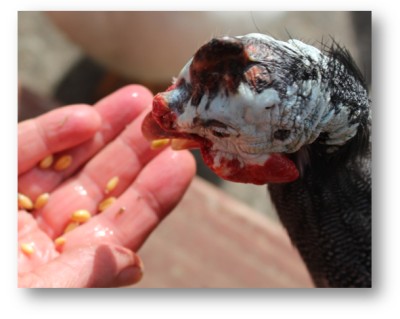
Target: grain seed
{"type": "Point", "coordinates": [28, 248]}
{"type": "Point", "coordinates": [106, 203]}
{"type": "Point", "coordinates": [63, 163]}
{"type": "Point", "coordinates": [59, 242]}
{"type": "Point", "coordinates": [41, 200]}
{"type": "Point", "coordinates": [111, 184]}
{"type": "Point", "coordinates": [71, 226]}
{"type": "Point", "coordinates": [81, 216]}
{"type": "Point", "coordinates": [24, 202]}
{"type": "Point", "coordinates": [46, 162]}
{"type": "Point", "coordinates": [156, 144]}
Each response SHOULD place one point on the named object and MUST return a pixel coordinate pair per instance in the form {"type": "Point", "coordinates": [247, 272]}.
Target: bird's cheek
{"type": "Point", "coordinates": [276, 169]}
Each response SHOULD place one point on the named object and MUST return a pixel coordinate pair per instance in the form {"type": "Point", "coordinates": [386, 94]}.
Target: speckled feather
{"type": "Point", "coordinates": [327, 211]}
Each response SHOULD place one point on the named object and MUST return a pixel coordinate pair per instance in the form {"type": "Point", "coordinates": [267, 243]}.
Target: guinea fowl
{"type": "Point", "coordinates": [288, 115]}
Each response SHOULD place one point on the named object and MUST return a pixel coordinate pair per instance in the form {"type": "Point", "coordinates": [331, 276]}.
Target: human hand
{"type": "Point", "coordinates": [103, 141]}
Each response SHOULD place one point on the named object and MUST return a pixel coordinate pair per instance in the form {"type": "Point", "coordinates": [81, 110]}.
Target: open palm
{"type": "Point", "coordinates": [103, 141]}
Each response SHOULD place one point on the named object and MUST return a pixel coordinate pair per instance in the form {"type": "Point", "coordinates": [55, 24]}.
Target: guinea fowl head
{"type": "Point", "coordinates": [248, 102]}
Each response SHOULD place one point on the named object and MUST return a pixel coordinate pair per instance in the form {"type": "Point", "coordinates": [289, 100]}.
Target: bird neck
{"type": "Point", "coordinates": [347, 96]}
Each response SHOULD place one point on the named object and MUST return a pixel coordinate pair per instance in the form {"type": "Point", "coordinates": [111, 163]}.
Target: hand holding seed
{"type": "Point", "coordinates": [91, 189]}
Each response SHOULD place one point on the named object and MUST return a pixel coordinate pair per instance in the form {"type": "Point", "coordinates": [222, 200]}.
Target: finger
{"type": "Point", "coordinates": [123, 158]}
{"type": "Point", "coordinates": [53, 132]}
{"type": "Point", "coordinates": [116, 111]}
{"type": "Point", "coordinates": [85, 267]}
{"type": "Point", "coordinates": [155, 192]}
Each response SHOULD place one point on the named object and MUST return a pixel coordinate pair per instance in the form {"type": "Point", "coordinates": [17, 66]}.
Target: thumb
{"type": "Point", "coordinates": [103, 265]}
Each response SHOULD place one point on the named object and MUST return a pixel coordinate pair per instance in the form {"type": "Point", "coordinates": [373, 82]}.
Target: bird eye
{"type": "Point", "coordinates": [217, 128]}
{"type": "Point", "coordinates": [219, 134]}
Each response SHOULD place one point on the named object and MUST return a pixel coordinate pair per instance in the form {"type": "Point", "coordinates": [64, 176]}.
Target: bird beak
{"type": "Point", "coordinates": [153, 132]}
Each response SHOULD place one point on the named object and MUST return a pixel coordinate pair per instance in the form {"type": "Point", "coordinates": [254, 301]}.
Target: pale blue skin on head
{"type": "Point", "coordinates": [300, 108]}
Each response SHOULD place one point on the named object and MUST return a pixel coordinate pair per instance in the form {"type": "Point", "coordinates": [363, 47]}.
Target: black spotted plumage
{"type": "Point", "coordinates": [327, 211]}
{"type": "Point", "coordinates": [328, 219]}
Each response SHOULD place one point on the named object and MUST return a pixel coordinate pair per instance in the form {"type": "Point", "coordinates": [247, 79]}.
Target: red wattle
{"type": "Point", "coordinates": [277, 169]}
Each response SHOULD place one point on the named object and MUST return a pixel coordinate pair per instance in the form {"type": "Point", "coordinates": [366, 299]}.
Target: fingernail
{"type": "Point", "coordinates": [129, 276]}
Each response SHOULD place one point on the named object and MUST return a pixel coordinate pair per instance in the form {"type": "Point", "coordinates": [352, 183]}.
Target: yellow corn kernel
{"type": "Point", "coordinates": [46, 162]}
{"type": "Point", "coordinates": [81, 216]}
{"type": "Point", "coordinates": [59, 242]}
{"type": "Point", "coordinates": [71, 226]}
{"type": "Point", "coordinates": [106, 203]}
{"type": "Point", "coordinates": [159, 143]}
{"type": "Point", "coordinates": [24, 202]}
{"type": "Point", "coordinates": [63, 163]}
{"type": "Point", "coordinates": [41, 200]}
{"type": "Point", "coordinates": [28, 248]}
{"type": "Point", "coordinates": [111, 184]}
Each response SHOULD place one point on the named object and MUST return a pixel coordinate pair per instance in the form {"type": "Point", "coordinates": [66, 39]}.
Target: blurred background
{"type": "Point", "coordinates": [80, 57]}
